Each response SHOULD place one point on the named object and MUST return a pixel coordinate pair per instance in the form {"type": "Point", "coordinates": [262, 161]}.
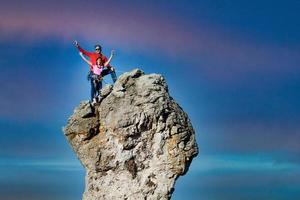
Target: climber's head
{"type": "Point", "coordinates": [99, 61]}
{"type": "Point", "coordinates": [98, 48]}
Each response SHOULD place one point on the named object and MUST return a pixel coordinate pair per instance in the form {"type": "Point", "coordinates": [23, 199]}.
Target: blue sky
{"type": "Point", "coordinates": [233, 67]}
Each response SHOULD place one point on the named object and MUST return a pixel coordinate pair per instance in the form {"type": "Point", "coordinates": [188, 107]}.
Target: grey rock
{"type": "Point", "coordinates": [106, 90]}
{"type": "Point", "coordinates": [137, 143]}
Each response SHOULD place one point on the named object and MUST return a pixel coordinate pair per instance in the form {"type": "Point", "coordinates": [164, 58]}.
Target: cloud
{"type": "Point", "coordinates": [250, 137]}
{"type": "Point", "coordinates": [225, 56]}
{"type": "Point", "coordinates": [44, 164]}
{"type": "Point", "coordinates": [41, 83]}
{"type": "Point", "coordinates": [243, 162]}
{"type": "Point", "coordinates": [239, 176]}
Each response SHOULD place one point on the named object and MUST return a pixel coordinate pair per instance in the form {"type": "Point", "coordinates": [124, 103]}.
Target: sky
{"type": "Point", "coordinates": [233, 66]}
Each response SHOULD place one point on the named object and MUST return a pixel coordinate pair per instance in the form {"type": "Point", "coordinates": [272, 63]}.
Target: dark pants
{"type": "Point", "coordinates": [112, 73]}
{"type": "Point", "coordinates": [96, 84]}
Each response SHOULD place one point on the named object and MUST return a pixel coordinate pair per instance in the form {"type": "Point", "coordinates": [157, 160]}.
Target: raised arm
{"type": "Point", "coordinates": [86, 60]}
{"type": "Point", "coordinates": [110, 57]}
{"type": "Point", "coordinates": [82, 50]}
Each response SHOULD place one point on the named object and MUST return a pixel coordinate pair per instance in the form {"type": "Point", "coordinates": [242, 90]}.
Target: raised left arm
{"type": "Point", "coordinates": [83, 58]}
{"type": "Point", "coordinates": [110, 57]}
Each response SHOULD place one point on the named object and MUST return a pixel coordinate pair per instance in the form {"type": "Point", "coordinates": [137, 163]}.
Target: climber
{"type": "Point", "coordinates": [96, 75]}
{"type": "Point", "coordinates": [93, 57]}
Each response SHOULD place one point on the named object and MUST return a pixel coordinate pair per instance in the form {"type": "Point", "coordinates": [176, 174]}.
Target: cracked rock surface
{"type": "Point", "coordinates": [136, 143]}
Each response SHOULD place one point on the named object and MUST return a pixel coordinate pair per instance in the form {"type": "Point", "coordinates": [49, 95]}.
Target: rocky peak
{"type": "Point", "coordinates": [136, 142]}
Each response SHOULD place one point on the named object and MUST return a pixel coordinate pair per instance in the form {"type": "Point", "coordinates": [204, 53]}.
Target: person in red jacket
{"type": "Point", "coordinates": [94, 56]}
{"type": "Point", "coordinates": [97, 73]}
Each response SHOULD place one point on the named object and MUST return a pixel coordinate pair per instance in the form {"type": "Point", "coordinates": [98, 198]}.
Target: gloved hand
{"type": "Point", "coordinates": [76, 43]}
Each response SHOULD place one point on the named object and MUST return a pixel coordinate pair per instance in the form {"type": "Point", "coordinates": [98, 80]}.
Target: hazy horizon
{"type": "Point", "coordinates": [232, 66]}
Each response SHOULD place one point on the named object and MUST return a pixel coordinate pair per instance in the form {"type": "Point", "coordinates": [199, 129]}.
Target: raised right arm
{"type": "Point", "coordinates": [82, 50]}
{"type": "Point", "coordinates": [109, 59]}
{"type": "Point", "coordinates": [83, 58]}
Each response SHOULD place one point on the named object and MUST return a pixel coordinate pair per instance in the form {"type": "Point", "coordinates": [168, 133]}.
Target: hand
{"type": "Point", "coordinates": [113, 52]}
{"type": "Point", "coordinates": [76, 43]}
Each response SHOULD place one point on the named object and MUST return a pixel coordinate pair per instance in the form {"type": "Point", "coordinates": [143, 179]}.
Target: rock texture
{"type": "Point", "coordinates": [137, 142]}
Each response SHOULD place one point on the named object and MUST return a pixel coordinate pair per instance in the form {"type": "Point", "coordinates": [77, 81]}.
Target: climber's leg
{"type": "Point", "coordinates": [93, 89]}
{"type": "Point", "coordinates": [113, 75]}
{"type": "Point", "coordinates": [111, 71]}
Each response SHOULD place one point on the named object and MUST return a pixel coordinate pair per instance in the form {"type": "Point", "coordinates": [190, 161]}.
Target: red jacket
{"type": "Point", "coordinates": [93, 56]}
